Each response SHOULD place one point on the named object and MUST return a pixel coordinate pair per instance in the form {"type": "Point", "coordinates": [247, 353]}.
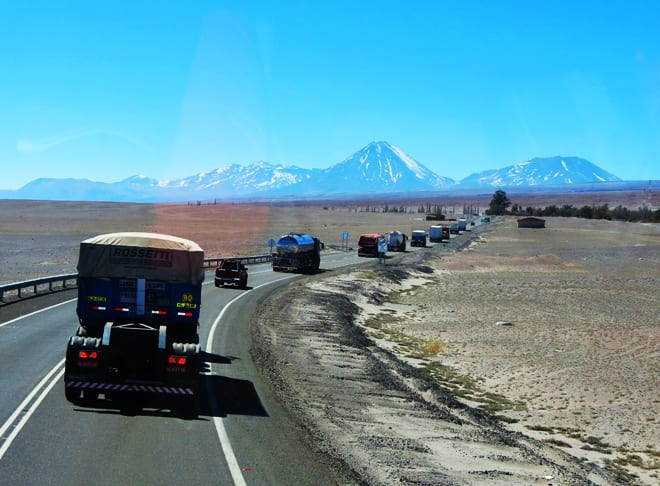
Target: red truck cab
{"type": "Point", "coordinates": [368, 244]}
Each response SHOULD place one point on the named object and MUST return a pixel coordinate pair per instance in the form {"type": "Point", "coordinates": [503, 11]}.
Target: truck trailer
{"type": "Point", "coordinates": [435, 233]}
{"type": "Point", "coordinates": [139, 298]}
{"type": "Point", "coordinates": [396, 241]}
{"type": "Point", "coordinates": [295, 252]}
{"type": "Point", "coordinates": [418, 238]}
{"type": "Point", "coordinates": [462, 224]}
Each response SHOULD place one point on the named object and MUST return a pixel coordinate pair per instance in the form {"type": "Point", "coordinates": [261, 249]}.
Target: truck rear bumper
{"type": "Point", "coordinates": [131, 358]}
{"type": "Point", "coordinates": [284, 268]}
{"type": "Point", "coordinates": [130, 387]}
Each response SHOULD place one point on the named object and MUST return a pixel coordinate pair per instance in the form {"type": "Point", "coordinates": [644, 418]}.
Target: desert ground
{"type": "Point", "coordinates": [553, 331]}
{"type": "Point", "coordinates": [406, 375]}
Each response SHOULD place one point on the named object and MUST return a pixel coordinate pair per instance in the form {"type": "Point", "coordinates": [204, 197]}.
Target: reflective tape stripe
{"type": "Point", "coordinates": [166, 390]}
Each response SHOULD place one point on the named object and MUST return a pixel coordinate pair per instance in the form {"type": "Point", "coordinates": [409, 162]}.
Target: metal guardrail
{"type": "Point", "coordinates": [29, 288]}
{"type": "Point", "coordinates": [212, 262]}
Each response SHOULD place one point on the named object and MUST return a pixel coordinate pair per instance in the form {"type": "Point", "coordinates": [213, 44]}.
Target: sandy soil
{"type": "Point", "coordinates": [575, 366]}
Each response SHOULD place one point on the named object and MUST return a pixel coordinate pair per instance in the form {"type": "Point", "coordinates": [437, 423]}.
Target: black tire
{"type": "Point", "coordinates": [76, 341]}
{"type": "Point", "coordinates": [91, 343]}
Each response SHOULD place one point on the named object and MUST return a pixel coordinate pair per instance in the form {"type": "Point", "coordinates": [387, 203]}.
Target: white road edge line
{"type": "Point", "coordinates": [37, 312]}
{"type": "Point", "coordinates": [28, 413]}
{"type": "Point", "coordinates": [228, 451]}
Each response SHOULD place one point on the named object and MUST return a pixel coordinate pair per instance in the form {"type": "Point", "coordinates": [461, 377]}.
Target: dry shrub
{"type": "Point", "coordinates": [432, 347]}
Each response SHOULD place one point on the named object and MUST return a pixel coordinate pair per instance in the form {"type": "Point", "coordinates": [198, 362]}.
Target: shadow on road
{"type": "Point", "coordinates": [231, 396]}
{"type": "Point", "coordinates": [217, 396]}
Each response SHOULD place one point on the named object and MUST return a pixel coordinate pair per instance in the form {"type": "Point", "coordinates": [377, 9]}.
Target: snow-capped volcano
{"type": "Point", "coordinates": [541, 171]}
{"type": "Point", "coordinates": [380, 166]}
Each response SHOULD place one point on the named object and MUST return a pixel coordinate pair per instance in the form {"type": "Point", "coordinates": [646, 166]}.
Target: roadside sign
{"type": "Point", "coordinates": [271, 244]}
{"type": "Point", "coordinates": [344, 240]}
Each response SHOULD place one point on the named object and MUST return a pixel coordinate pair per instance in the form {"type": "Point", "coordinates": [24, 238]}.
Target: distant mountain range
{"type": "Point", "coordinates": [377, 168]}
{"type": "Point", "coordinates": [541, 171]}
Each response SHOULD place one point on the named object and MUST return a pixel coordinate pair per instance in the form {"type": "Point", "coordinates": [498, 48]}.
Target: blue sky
{"type": "Point", "coordinates": [106, 90]}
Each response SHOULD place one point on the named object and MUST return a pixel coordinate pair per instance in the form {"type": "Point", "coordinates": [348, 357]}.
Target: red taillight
{"type": "Point", "coordinates": [184, 314]}
{"type": "Point", "coordinates": [177, 360]}
{"type": "Point", "coordinates": [159, 312]}
{"type": "Point", "coordinates": [98, 308]}
{"type": "Point", "coordinates": [122, 309]}
{"type": "Point", "coordinates": [86, 354]}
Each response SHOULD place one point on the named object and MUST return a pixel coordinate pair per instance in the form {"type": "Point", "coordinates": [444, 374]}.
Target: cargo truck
{"type": "Point", "coordinates": [435, 233]}
{"type": "Point", "coordinates": [296, 252]}
{"type": "Point", "coordinates": [139, 298]}
{"type": "Point", "coordinates": [396, 241]}
{"type": "Point", "coordinates": [368, 244]}
{"type": "Point", "coordinates": [418, 238]}
{"type": "Point", "coordinates": [462, 224]}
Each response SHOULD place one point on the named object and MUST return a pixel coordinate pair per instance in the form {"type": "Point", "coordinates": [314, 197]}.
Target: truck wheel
{"type": "Point", "coordinates": [91, 343]}
{"type": "Point", "coordinates": [76, 341]}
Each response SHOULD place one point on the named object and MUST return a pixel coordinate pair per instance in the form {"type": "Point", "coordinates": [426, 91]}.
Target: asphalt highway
{"type": "Point", "coordinates": [238, 433]}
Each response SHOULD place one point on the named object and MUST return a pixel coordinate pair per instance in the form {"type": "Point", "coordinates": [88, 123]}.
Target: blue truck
{"type": "Point", "coordinates": [396, 241]}
{"type": "Point", "coordinates": [297, 252]}
{"type": "Point", "coordinates": [462, 224]}
{"type": "Point", "coordinates": [418, 238]}
{"type": "Point", "coordinates": [139, 299]}
{"type": "Point", "coordinates": [435, 233]}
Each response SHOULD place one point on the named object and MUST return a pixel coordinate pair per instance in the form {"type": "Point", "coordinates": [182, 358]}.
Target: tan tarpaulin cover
{"type": "Point", "coordinates": [142, 255]}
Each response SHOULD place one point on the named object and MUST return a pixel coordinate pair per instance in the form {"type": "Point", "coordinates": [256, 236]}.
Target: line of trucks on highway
{"type": "Point", "coordinates": [138, 308]}
{"type": "Point", "coordinates": [396, 241]}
